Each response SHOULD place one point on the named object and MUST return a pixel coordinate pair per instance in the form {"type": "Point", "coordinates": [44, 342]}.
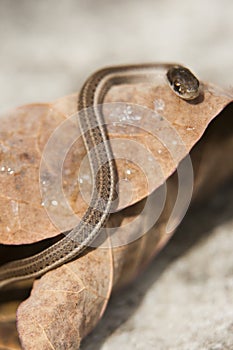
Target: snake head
{"type": "Point", "coordinates": [183, 82]}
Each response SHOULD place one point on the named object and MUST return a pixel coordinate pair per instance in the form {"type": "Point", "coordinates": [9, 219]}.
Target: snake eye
{"type": "Point", "coordinates": [178, 87]}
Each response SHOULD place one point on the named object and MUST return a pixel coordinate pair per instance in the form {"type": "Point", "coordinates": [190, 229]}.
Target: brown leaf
{"type": "Point", "coordinates": [72, 300]}
{"type": "Point", "coordinates": [66, 303]}
{"type": "Point", "coordinates": [8, 332]}
{"type": "Point", "coordinates": [24, 219]}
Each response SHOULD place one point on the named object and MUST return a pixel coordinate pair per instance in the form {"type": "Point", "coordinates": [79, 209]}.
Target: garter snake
{"type": "Point", "coordinates": [94, 134]}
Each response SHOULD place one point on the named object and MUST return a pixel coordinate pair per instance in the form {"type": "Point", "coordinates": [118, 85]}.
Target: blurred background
{"type": "Point", "coordinates": [48, 48]}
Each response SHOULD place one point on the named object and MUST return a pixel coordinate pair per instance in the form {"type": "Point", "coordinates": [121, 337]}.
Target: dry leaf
{"type": "Point", "coordinates": [66, 303]}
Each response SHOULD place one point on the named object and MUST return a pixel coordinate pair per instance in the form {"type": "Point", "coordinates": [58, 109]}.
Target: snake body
{"type": "Point", "coordinates": [95, 138]}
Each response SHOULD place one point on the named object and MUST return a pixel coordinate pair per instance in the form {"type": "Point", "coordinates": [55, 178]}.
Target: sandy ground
{"type": "Point", "coordinates": [185, 299]}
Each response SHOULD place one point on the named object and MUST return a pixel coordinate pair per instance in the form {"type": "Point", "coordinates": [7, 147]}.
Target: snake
{"type": "Point", "coordinates": [95, 136]}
